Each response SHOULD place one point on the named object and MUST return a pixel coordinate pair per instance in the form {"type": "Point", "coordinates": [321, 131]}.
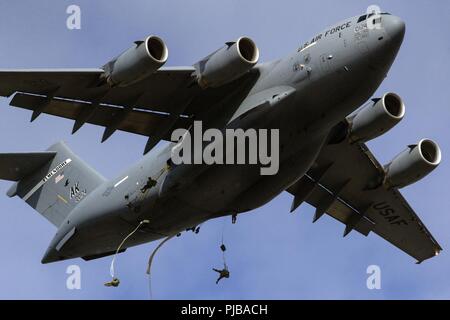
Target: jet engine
{"type": "Point", "coordinates": [412, 164]}
{"type": "Point", "coordinates": [136, 63]}
{"type": "Point", "coordinates": [375, 119]}
{"type": "Point", "coordinates": [227, 64]}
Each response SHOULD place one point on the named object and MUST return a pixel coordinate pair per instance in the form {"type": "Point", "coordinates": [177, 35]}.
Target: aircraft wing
{"type": "Point", "coordinates": [86, 85]}
{"type": "Point", "coordinates": [345, 183]}
{"type": "Point", "coordinates": [162, 102]}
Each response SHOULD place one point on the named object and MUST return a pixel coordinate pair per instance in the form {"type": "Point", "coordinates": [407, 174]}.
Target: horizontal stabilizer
{"type": "Point", "coordinates": [16, 166]}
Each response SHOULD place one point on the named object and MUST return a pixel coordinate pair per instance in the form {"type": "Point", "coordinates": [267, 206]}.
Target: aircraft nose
{"type": "Point", "coordinates": [395, 28]}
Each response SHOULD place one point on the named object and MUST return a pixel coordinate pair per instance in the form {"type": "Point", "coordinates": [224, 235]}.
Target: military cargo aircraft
{"type": "Point", "coordinates": [318, 97]}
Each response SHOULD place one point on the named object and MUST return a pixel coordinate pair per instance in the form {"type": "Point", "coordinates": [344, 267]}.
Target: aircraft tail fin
{"type": "Point", "coordinates": [52, 182]}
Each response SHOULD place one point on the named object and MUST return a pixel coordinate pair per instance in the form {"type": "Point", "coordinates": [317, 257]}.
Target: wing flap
{"type": "Point", "coordinates": [136, 121]}
{"type": "Point", "coordinates": [339, 210]}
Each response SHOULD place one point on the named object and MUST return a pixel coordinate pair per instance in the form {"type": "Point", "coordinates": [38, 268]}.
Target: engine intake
{"type": "Point", "coordinates": [227, 64]}
{"type": "Point", "coordinates": [376, 119]}
{"type": "Point", "coordinates": [412, 164]}
{"type": "Point", "coordinates": [136, 63]}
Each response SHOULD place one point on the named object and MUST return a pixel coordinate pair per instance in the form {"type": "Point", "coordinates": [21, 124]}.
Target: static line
{"type": "Point", "coordinates": [150, 261]}
{"type": "Point", "coordinates": [111, 268]}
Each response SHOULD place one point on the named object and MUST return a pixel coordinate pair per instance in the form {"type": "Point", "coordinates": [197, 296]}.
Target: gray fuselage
{"type": "Point", "coordinates": [309, 92]}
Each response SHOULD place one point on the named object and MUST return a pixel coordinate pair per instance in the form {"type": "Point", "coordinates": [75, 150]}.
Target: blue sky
{"type": "Point", "coordinates": [272, 254]}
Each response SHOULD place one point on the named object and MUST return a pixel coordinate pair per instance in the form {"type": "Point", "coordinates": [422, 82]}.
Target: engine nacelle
{"type": "Point", "coordinates": [227, 64]}
{"type": "Point", "coordinates": [136, 63]}
{"type": "Point", "coordinates": [412, 164]}
{"type": "Point", "coordinates": [376, 119]}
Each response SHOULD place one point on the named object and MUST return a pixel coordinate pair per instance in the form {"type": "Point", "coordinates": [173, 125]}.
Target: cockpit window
{"type": "Point", "coordinates": [364, 17]}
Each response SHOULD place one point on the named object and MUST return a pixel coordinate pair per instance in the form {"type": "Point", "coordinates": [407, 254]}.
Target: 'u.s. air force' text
{"type": "Point", "coordinates": [327, 33]}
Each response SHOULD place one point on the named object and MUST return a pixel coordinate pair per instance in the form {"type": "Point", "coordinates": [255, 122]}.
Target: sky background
{"type": "Point", "coordinates": [271, 254]}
